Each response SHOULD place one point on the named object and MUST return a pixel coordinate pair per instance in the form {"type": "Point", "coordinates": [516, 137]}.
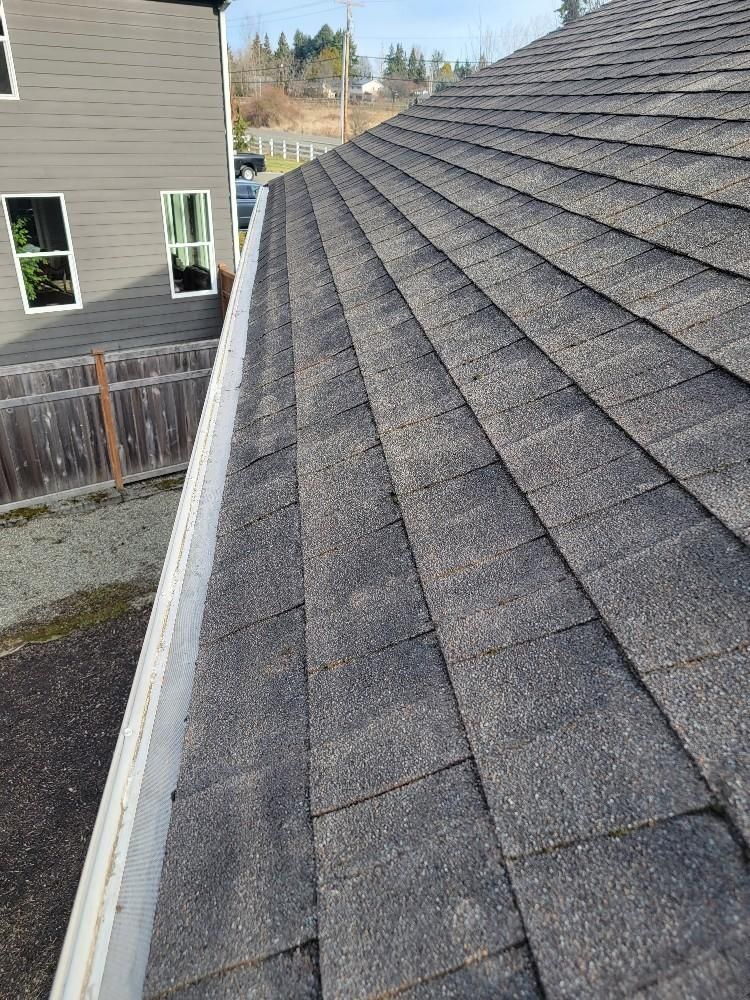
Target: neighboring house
{"type": "Point", "coordinates": [471, 624]}
{"type": "Point", "coordinates": [366, 89]}
{"type": "Point", "coordinates": [116, 190]}
{"type": "Point", "coordinates": [114, 175]}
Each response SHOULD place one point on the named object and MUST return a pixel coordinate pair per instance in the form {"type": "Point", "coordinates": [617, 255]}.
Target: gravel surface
{"type": "Point", "coordinates": [83, 546]}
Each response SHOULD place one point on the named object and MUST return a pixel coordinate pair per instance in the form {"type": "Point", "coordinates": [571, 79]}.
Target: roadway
{"type": "Point", "coordinates": [292, 137]}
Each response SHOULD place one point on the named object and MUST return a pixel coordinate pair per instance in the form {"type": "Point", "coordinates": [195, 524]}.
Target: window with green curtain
{"type": "Point", "coordinates": [187, 221]}
{"type": "Point", "coordinates": [40, 240]}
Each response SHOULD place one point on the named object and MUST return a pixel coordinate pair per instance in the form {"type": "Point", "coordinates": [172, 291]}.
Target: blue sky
{"type": "Point", "coordinates": [433, 24]}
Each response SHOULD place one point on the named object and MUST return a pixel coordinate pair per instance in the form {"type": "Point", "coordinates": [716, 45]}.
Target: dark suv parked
{"type": "Point", "coordinates": [247, 196]}
{"type": "Point", "coordinates": [247, 165]}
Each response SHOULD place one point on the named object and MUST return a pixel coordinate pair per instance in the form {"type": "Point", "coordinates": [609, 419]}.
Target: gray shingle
{"type": "Point", "coordinates": [624, 529]}
{"type": "Point", "coordinates": [706, 703]}
{"type": "Point", "coordinates": [569, 745]}
{"type": "Point", "coordinates": [508, 975]}
{"type": "Point", "coordinates": [530, 616]}
{"type": "Point", "coordinates": [262, 437]}
{"type": "Point", "coordinates": [292, 975]}
{"type": "Point", "coordinates": [474, 336]}
{"type": "Point", "coordinates": [435, 449]}
{"type": "Point", "coordinates": [467, 520]}
{"type": "Point", "coordinates": [259, 489]}
{"type": "Point", "coordinates": [346, 500]}
{"type": "Point", "coordinates": [249, 703]}
{"type": "Point", "coordinates": [414, 390]}
{"type": "Point", "coordinates": [565, 450]}
{"type": "Point", "coordinates": [507, 379]}
{"type": "Point", "coordinates": [640, 907]}
{"type": "Point", "coordinates": [256, 574]}
{"type": "Point", "coordinates": [682, 599]}
{"type": "Point", "coordinates": [411, 886]}
{"type": "Point", "coordinates": [333, 438]}
{"type": "Point", "coordinates": [726, 492]}
{"type": "Point", "coordinates": [709, 446]}
{"type": "Point", "coordinates": [380, 722]}
{"type": "Point", "coordinates": [248, 891]}
{"type": "Point", "coordinates": [362, 598]}
{"type": "Point", "coordinates": [318, 401]}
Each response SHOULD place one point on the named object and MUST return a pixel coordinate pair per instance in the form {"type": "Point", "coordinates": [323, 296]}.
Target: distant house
{"type": "Point", "coordinates": [364, 89]}
{"type": "Point", "coordinates": [116, 203]}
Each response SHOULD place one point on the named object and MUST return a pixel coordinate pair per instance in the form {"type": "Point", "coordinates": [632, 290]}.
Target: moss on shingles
{"type": "Point", "coordinates": [81, 610]}
{"type": "Point", "coordinates": [23, 514]}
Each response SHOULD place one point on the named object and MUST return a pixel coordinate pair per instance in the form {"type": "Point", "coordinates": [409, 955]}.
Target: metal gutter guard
{"type": "Point", "coordinates": [108, 938]}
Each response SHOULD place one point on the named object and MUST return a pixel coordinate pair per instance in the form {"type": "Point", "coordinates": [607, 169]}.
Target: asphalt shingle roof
{"type": "Point", "coordinates": [470, 712]}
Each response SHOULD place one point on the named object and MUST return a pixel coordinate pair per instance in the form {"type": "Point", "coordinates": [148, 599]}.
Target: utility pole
{"type": "Point", "coordinates": [345, 56]}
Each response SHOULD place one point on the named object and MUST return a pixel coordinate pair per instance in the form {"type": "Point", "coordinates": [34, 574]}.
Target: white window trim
{"type": "Point", "coordinates": [211, 248]}
{"type": "Point", "coordinates": [5, 44]}
{"type": "Point", "coordinates": [69, 253]}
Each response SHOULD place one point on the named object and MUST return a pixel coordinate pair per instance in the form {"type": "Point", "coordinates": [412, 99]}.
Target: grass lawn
{"type": "Point", "coordinates": [278, 165]}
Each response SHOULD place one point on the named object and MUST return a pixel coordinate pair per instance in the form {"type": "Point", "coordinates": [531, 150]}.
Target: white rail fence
{"type": "Point", "coordinates": [288, 150]}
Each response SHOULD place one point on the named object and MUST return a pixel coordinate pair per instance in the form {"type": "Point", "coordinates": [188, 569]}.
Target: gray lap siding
{"type": "Point", "coordinates": [119, 101]}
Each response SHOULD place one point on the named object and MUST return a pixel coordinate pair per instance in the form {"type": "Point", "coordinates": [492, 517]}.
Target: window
{"type": "Point", "coordinates": [190, 242]}
{"type": "Point", "coordinates": [8, 88]}
{"type": "Point", "coordinates": [40, 239]}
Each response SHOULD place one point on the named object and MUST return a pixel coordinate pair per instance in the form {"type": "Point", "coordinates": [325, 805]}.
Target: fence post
{"type": "Point", "coordinates": [110, 429]}
{"type": "Point", "coordinates": [226, 281]}
{"type": "Point", "coordinates": [297, 152]}
{"type": "Point", "coordinates": [260, 145]}
{"type": "Point", "coordinates": [270, 143]}
{"type": "Point", "coordinates": [283, 149]}
{"type": "Point", "coordinates": [312, 152]}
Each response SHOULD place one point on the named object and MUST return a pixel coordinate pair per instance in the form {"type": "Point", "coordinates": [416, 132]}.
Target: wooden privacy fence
{"type": "Point", "coordinates": [100, 419]}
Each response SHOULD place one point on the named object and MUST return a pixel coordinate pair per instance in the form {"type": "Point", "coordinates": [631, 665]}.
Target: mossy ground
{"type": "Point", "coordinates": [23, 514]}
{"type": "Point", "coordinates": [81, 610]}
{"type": "Point", "coordinates": [169, 483]}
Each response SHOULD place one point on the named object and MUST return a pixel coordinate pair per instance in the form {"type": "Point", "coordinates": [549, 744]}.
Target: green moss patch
{"type": "Point", "coordinates": [23, 514]}
{"type": "Point", "coordinates": [170, 482]}
{"type": "Point", "coordinates": [81, 610]}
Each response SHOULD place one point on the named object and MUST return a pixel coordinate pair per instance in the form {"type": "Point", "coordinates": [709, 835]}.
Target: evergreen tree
{"type": "Point", "coordinates": [571, 10]}
{"type": "Point", "coordinates": [301, 46]}
{"type": "Point", "coordinates": [239, 133]}
{"type": "Point", "coordinates": [388, 65]}
{"type": "Point", "coordinates": [325, 39]}
{"type": "Point", "coordinates": [421, 76]}
{"type": "Point", "coordinates": [283, 53]}
{"type": "Point", "coordinates": [399, 67]}
{"type": "Point", "coordinates": [411, 68]}
{"type": "Point", "coordinates": [267, 51]}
